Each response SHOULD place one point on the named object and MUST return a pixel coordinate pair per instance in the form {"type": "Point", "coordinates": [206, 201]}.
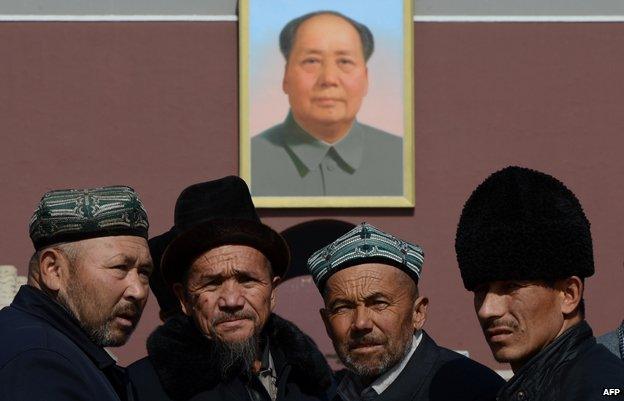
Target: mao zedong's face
{"type": "Point", "coordinates": [326, 76]}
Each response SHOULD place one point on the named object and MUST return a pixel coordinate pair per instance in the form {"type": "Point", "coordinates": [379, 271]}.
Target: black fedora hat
{"type": "Point", "coordinates": [215, 213]}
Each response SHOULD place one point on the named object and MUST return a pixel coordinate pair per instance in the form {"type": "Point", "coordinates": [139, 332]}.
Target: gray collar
{"type": "Point", "coordinates": [311, 152]}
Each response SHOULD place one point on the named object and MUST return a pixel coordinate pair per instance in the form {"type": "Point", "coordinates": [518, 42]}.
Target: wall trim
{"type": "Point", "coordinates": [519, 18]}
{"type": "Point", "coordinates": [117, 18]}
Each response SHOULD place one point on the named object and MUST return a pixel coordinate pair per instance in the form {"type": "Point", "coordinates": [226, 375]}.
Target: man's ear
{"type": "Point", "coordinates": [180, 292]}
{"type": "Point", "coordinates": [285, 88]}
{"type": "Point", "coordinates": [53, 265]}
{"type": "Point", "coordinates": [571, 293]}
{"type": "Point", "coordinates": [274, 283]}
{"type": "Point", "coordinates": [419, 312]}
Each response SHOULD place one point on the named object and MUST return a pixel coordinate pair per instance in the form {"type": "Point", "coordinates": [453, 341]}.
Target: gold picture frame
{"type": "Point", "coordinates": [248, 31]}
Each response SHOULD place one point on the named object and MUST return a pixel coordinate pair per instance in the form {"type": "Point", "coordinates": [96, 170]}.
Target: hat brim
{"type": "Point", "coordinates": [190, 244]}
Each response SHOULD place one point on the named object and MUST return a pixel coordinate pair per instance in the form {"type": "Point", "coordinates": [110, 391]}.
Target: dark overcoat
{"type": "Point", "coordinates": [45, 355]}
{"type": "Point", "coordinates": [434, 373]}
{"type": "Point", "coordinates": [183, 365]}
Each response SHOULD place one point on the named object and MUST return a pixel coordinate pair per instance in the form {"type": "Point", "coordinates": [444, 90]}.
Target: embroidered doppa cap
{"type": "Point", "coordinates": [75, 214]}
{"type": "Point", "coordinates": [522, 224]}
{"type": "Point", "coordinates": [365, 244]}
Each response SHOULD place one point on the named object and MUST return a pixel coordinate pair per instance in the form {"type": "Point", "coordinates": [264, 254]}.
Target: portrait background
{"type": "Point", "coordinates": [383, 105]}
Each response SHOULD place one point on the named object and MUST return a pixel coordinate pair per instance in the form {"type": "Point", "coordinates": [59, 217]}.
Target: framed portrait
{"type": "Point", "coordinates": [326, 102]}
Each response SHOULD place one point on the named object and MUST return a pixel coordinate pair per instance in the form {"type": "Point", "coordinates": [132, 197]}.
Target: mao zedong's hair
{"type": "Point", "coordinates": [287, 36]}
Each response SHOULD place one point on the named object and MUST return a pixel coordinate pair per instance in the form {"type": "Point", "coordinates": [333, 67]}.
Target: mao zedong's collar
{"type": "Point", "coordinates": [310, 152]}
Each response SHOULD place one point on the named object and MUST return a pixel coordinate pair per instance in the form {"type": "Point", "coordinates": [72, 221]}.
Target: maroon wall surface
{"type": "Point", "coordinates": [154, 106]}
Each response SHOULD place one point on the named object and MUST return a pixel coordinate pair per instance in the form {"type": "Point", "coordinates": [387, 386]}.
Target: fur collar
{"type": "Point", "coordinates": [186, 361]}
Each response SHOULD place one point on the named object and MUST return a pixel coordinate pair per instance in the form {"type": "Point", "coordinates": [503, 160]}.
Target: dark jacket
{"type": "Point", "coordinates": [573, 367]}
{"type": "Point", "coordinates": [434, 373]}
{"type": "Point", "coordinates": [45, 355]}
{"type": "Point", "coordinates": [182, 365]}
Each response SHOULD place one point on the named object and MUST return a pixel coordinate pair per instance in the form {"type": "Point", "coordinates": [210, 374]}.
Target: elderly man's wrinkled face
{"type": "Point", "coordinates": [229, 293]}
{"type": "Point", "coordinates": [326, 76]}
{"type": "Point", "coordinates": [107, 286]}
{"type": "Point", "coordinates": [371, 313]}
{"type": "Point", "coordinates": [518, 318]}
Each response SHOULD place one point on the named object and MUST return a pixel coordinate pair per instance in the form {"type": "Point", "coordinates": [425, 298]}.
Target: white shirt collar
{"type": "Point", "coordinates": [384, 381]}
{"type": "Point", "coordinates": [350, 390]}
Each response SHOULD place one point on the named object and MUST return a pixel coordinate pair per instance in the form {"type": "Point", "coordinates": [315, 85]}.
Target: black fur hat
{"type": "Point", "coordinates": [521, 224]}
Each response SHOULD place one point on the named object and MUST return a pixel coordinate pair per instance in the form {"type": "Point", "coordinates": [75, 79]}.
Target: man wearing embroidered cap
{"type": "Point", "coordinates": [87, 286]}
{"type": "Point", "coordinates": [524, 248]}
{"type": "Point", "coordinates": [223, 265]}
{"type": "Point", "coordinates": [374, 315]}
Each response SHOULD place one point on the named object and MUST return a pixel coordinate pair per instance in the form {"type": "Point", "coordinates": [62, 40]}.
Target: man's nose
{"type": "Point", "coordinates": [361, 319]}
{"type": "Point", "coordinates": [231, 296]}
{"type": "Point", "coordinates": [490, 305]}
{"type": "Point", "coordinates": [328, 75]}
{"type": "Point", "coordinates": [137, 288]}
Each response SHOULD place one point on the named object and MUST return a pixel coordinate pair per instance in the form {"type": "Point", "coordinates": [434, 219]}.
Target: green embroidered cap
{"type": "Point", "coordinates": [365, 243]}
{"type": "Point", "coordinates": [75, 214]}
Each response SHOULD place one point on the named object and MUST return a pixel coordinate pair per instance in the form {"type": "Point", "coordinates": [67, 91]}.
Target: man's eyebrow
{"type": "Point", "coordinates": [376, 295]}
{"type": "Point", "coordinates": [312, 51]}
{"type": "Point", "coordinates": [340, 300]}
{"type": "Point", "coordinates": [120, 257]}
{"type": "Point", "coordinates": [209, 276]}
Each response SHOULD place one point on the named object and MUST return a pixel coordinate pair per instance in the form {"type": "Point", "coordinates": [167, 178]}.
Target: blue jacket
{"type": "Point", "coordinates": [45, 355]}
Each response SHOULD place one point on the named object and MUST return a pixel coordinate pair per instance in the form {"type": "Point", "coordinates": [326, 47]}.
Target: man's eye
{"type": "Point", "coordinates": [310, 61]}
{"type": "Point", "coordinates": [345, 61]}
{"type": "Point", "coordinates": [378, 304]}
{"type": "Point", "coordinates": [339, 308]}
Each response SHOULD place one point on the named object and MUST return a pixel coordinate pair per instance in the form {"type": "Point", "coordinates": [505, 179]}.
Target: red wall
{"type": "Point", "coordinates": [154, 106]}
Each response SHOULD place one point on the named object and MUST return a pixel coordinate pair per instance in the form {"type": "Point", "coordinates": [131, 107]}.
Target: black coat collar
{"type": "Point", "coordinates": [187, 363]}
{"type": "Point", "coordinates": [34, 302]}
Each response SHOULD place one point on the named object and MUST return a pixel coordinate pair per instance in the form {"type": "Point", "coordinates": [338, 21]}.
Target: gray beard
{"type": "Point", "coordinates": [236, 358]}
{"type": "Point", "coordinates": [385, 363]}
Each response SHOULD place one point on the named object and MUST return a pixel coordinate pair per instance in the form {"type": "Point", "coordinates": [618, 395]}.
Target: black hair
{"type": "Point", "coordinates": [288, 33]}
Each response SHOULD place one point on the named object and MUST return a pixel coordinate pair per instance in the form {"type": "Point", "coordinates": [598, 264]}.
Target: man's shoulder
{"type": "Point", "coordinates": [270, 137]}
{"type": "Point", "coordinates": [21, 332]}
{"type": "Point", "coordinates": [591, 372]}
{"type": "Point", "coordinates": [456, 376]}
{"type": "Point", "coordinates": [378, 136]}
{"type": "Point", "coordinates": [610, 340]}
{"type": "Point", "coordinates": [597, 361]}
